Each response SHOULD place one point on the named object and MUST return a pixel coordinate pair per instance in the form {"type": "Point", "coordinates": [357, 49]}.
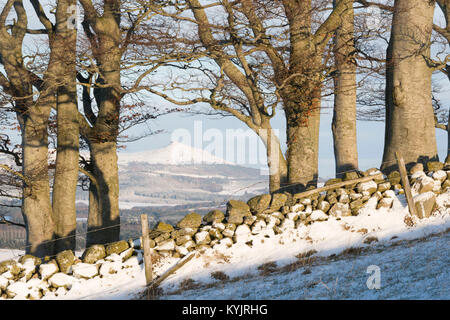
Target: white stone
{"type": "Point", "coordinates": [297, 207]}
{"type": "Point", "coordinates": [425, 184]}
{"type": "Point", "coordinates": [84, 270]}
{"type": "Point", "coordinates": [3, 283]}
{"type": "Point", "coordinates": [17, 290]}
{"type": "Point", "coordinates": [344, 198]}
{"type": "Point", "coordinates": [440, 175]}
{"type": "Point", "coordinates": [437, 186]}
{"type": "Point", "coordinates": [181, 250]}
{"type": "Point", "coordinates": [385, 203]}
{"type": "Point", "coordinates": [389, 194]}
{"type": "Point", "coordinates": [37, 283]}
{"type": "Point", "coordinates": [205, 228]}
{"type": "Point", "coordinates": [340, 210]}
{"type": "Point", "coordinates": [202, 237]}
{"type": "Point", "coordinates": [110, 267]}
{"type": "Point", "coordinates": [132, 262]}
{"type": "Point", "coordinates": [188, 244]}
{"type": "Point", "coordinates": [287, 224]}
{"type": "Point", "coordinates": [34, 294]}
{"type": "Point", "coordinates": [8, 275]}
{"type": "Point", "coordinates": [369, 186]}
{"type": "Point", "coordinates": [293, 216]}
{"type": "Point", "coordinates": [219, 226]}
{"type": "Point", "coordinates": [242, 233]}
{"type": "Point", "coordinates": [61, 280]}
{"type": "Point", "coordinates": [167, 245]}
{"type": "Point", "coordinates": [418, 174]}
{"type": "Point", "coordinates": [424, 204]}
{"type": "Point", "coordinates": [308, 210]}
{"type": "Point", "coordinates": [272, 221]}
{"type": "Point", "coordinates": [61, 291]}
{"type": "Point", "coordinates": [113, 257]}
{"type": "Point", "coordinates": [305, 201]}
{"type": "Point", "coordinates": [374, 172]}
{"type": "Point", "coordinates": [126, 254]}
{"type": "Point", "coordinates": [258, 226]}
{"type": "Point", "coordinates": [355, 196]}
{"type": "Point", "coordinates": [318, 215]}
{"type": "Point", "coordinates": [228, 233]}
{"type": "Point", "coordinates": [29, 268]}
{"type": "Point", "coordinates": [226, 242]}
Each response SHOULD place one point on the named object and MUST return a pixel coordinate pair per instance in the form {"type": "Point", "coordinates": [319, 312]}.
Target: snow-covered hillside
{"type": "Point", "coordinates": [330, 259]}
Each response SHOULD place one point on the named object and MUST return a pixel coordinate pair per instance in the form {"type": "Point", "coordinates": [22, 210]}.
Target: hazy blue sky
{"type": "Point", "coordinates": [370, 134]}
{"type": "Point", "coordinates": [370, 137]}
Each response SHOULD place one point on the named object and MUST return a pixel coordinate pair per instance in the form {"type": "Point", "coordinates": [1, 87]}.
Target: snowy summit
{"type": "Point", "coordinates": [175, 153]}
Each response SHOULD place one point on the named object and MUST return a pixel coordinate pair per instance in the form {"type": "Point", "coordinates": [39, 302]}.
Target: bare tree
{"type": "Point", "coordinates": [32, 116]}
{"type": "Point", "coordinates": [273, 53]}
{"type": "Point", "coordinates": [410, 127]}
{"type": "Point", "coordinates": [344, 113]}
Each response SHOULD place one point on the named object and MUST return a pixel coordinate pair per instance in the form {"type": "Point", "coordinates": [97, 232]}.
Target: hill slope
{"type": "Point", "coordinates": [323, 260]}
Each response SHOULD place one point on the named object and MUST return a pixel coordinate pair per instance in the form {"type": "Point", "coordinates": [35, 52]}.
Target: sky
{"type": "Point", "coordinates": [370, 135]}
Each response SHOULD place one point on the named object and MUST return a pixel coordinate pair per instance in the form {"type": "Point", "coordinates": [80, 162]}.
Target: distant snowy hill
{"type": "Point", "coordinates": [179, 174]}
{"type": "Point", "coordinates": [175, 153]}
{"type": "Point", "coordinates": [176, 175]}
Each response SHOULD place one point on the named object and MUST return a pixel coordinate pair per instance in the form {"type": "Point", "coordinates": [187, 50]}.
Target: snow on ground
{"type": "Point", "coordinates": [7, 254]}
{"type": "Point", "coordinates": [409, 269]}
{"type": "Point", "coordinates": [415, 270]}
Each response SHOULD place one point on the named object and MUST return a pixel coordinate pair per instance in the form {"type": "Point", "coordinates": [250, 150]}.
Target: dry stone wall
{"type": "Point", "coordinates": [271, 214]}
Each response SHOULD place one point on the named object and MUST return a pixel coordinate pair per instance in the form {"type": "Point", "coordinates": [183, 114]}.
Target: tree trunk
{"type": "Point", "coordinates": [36, 205]}
{"type": "Point", "coordinates": [447, 159]}
{"type": "Point", "coordinates": [344, 113]}
{"type": "Point", "coordinates": [104, 218]}
{"type": "Point", "coordinates": [410, 127]}
{"type": "Point", "coordinates": [301, 97]}
{"type": "Point", "coordinates": [66, 171]}
{"type": "Point", "coordinates": [303, 122]}
{"type": "Point", "coordinates": [303, 146]}
{"type": "Point", "coordinates": [275, 159]}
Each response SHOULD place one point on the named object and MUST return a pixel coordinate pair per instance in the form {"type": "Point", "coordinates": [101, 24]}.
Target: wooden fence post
{"type": "Point", "coordinates": [145, 242]}
{"type": "Point", "coordinates": [405, 181]}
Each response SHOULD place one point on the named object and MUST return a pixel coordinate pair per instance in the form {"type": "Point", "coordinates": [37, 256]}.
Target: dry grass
{"type": "Point", "coordinates": [306, 254]}
{"type": "Point", "coordinates": [352, 251]}
{"type": "Point", "coordinates": [219, 275]}
{"type": "Point", "coordinates": [267, 268]}
{"type": "Point", "coordinates": [409, 221]}
{"type": "Point", "coordinates": [188, 284]}
{"type": "Point", "coordinates": [363, 231]}
{"type": "Point", "coordinates": [371, 239]}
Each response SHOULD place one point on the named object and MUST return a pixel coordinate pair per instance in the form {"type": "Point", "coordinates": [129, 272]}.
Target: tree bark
{"type": "Point", "coordinates": [36, 205]}
{"type": "Point", "coordinates": [344, 112]}
{"type": "Point", "coordinates": [447, 159]}
{"type": "Point", "coordinates": [409, 112]}
{"type": "Point", "coordinates": [302, 127]}
{"type": "Point", "coordinates": [275, 158]}
{"type": "Point", "coordinates": [66, 171]}
{"type": "Point", "coordinates": [33, 120]}
{"type": "Point", "coordinates": [301, 97]}
{"type": "Point", "coordinates": [104, 218]}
